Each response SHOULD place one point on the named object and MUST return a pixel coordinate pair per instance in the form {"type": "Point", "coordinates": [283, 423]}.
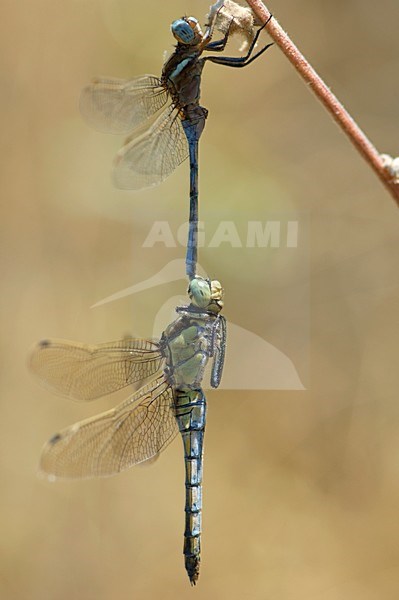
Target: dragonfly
{"type": "Point", "coordinates": [162, 115]}
{"type": "Point", "coordinates": [170, 399]}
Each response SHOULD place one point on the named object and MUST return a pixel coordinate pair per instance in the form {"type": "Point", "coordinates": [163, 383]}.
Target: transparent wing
{"type": "Point", "coordinates": [149, 158]}
{"type": "Point", "coordinates": [85, 372]}
{"type": "Point", "coordinates": [119, 106]}
{"type": "Point", "coordinates": [133, 432]}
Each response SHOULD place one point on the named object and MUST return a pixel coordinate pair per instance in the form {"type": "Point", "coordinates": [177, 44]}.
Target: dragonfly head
{"type": "Point", "coordinates": [187, 31]}
{"type": "Point", "coordinates": [206, 294]}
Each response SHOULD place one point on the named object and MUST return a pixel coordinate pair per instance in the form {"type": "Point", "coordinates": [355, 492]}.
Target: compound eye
{"type": "Point", "coordinates": [200, 292]}
{"type": "Point", "coordinates": [183, 31]}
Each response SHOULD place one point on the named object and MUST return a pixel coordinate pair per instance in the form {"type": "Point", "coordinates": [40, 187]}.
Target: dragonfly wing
{"type": "Point", "coordinates": [133, 432]}
{"type": "Point", "coordinates": [119, 106]}
{"type": "Point", "coordinates": [147, 159]}
{"type": "Point", "coordinates": [85, 372]}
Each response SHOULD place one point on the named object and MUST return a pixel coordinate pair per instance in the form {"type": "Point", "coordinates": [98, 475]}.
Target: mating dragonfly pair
{"type": "Point", "coordinates": [170, 371]}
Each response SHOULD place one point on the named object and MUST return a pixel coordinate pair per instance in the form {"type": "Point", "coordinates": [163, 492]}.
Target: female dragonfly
{"type": "Point", "coordinates": [138, 429]}
{"type": "Point", "coordinates": [158, 143]}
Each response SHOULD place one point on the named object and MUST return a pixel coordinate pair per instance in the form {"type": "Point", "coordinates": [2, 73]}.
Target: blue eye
{"type": "Point", "coordinates": [182, 31]}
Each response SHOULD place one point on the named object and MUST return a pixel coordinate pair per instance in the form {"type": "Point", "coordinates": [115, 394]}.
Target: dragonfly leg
{"type": "Point", "coordinates": [218, 342]}
{"type": "Point", "coordinates": [230, 61]}
{"type": "Point", "coordinates": [241, 61]}
{"type": "Point", "coordinates": [253, 43]}
{"type": "Point", "coordinates": [220, 45]}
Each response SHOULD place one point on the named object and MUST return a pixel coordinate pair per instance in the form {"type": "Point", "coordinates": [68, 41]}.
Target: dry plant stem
{"type": "Point", "coordinates": [331, 103]}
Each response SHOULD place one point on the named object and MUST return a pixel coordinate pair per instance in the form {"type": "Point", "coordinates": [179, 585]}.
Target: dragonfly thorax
{"type": "Point", "coordinates": [187, 31]}
{"type": "Point", "coordinates": [187, 346]}
{"type": "Point", "coordinates": [193, 338]}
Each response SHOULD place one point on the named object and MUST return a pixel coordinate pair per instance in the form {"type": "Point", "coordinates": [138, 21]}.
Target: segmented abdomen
{"type": "Point", "coordinates": [190, 410]}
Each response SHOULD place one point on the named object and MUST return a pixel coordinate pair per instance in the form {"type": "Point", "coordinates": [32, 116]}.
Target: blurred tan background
{"type": "Point", "coordinates": [301, 488]}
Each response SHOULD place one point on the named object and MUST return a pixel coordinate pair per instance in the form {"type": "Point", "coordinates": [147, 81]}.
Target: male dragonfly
{"type": "Point", "coordinates": [158, 144]}
{"type": "Point", "coordinates": [170, 400]}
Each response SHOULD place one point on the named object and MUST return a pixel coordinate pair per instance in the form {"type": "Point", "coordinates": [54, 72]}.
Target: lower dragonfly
{"type": "Point", "coordinates": [158, 144]}
{"type": "Point", "coordinates": [170, 400]}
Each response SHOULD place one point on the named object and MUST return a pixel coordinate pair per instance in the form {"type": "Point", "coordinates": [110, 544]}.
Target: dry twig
{"type": "Point", "coordinates": [327, 98]}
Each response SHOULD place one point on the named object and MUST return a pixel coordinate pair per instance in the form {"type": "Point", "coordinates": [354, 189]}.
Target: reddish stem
{"type": "Point", "coordinates": [327, 98]}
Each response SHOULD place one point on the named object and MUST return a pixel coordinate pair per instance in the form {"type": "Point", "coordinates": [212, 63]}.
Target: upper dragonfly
{"type": "Point", "coordinates": [162, 114]}
{"type": "Point", "coordinates": [171, 399]}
